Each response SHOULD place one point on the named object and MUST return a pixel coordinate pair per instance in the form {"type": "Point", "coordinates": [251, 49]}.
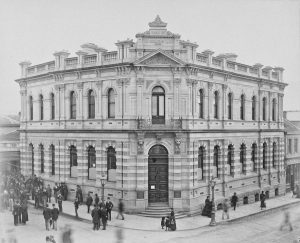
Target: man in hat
{"type": "Point", "coordinates": [109, 206]}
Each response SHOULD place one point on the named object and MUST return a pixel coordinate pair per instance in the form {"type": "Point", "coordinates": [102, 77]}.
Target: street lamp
{"type": "Point", "coordinates": [103, 180]}
{"type": "Point", "coordinates": [212, 184]}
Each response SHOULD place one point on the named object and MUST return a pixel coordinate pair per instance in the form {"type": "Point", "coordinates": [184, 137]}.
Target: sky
{"type": "Point", "coordinates": [258, 31]}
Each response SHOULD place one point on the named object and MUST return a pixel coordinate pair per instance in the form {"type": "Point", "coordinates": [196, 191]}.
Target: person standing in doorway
{"type": "Point", "coordinates": [234, 200]}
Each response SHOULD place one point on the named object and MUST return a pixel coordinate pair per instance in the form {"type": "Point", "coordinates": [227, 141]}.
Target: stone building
{"type": "Point", "coordinates": [157, 120]}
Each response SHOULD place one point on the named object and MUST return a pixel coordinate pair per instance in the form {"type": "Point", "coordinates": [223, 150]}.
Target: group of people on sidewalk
{"type": "Point", "coordinates": [169, 222]}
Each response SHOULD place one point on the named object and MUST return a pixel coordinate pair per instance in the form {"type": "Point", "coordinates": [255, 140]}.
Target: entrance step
{"type": "Point", "coordinates": [160, 211]}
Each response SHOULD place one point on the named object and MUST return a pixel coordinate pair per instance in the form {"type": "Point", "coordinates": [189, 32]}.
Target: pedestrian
{"type": "Point", "coordinates": [54, 215]}
{"type": "Point", "coordinates": [234, 200]}
{"type": "Point", "coordinates": [59, 201]}
{"type": "Point", "coordinates": [225, 209]}
{"type": "Point", "coordinates": [162, 222]}
{"type": "Point", "coordinates": [79, 194]}
{"type": "Point", "coordinates": [286, 221]}
{"type": "Point", "coordinates": [262, 200]}
{"type": "Point", "coordinates": [89, 202]}
{"type": "Point", "coordinates": [24, 212]}
{"type": "Point", "coordinates": [167, 223]}
{"type": "Point", "coordinates": [36, 198]}
{"type": "Point", "coordinates": [55, 192]}
{"type": "Point", "coordinates": [120, 209]}
{"type": "Point", "coordinates": [49, 193]}
{"type": "Point", "coordinates": [103, 217]}
{"type": "Point", "coordinates": [109, 206]}
{"type": "Point", "coordinates": [44, 197]}
{"type": "Point", "coordinates": [47, 216]}
{"type": "Point", "coordinates": [96, 217]}
{"type": "Point", "coordinates": [76, 204]}
{"type": "Point", "coordinates": [15, 213]}
{"type": "Point", "coordinates": [96, 199]}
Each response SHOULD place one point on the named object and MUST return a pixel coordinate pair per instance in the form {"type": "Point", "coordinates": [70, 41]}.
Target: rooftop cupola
{"type": "Point", "coordinates": [158, 26]}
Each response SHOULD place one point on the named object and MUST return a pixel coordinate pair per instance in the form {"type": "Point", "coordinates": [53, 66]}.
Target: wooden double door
{"type": "Point", "coordinates": [158, 175]}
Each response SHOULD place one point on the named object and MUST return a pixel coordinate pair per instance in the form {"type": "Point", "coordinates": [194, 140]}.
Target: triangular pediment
{"type": "Point", "coordinates": [159, 58]}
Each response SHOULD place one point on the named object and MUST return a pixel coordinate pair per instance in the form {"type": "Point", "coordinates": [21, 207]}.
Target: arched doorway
{"type": "Point", "coordinates": [158, 174]}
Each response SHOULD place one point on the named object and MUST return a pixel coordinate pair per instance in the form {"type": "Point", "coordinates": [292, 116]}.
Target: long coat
{"type": "Point", "coordinates": [95, 215]}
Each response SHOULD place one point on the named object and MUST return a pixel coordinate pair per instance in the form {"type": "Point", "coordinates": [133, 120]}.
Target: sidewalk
{"type": "Point", "coordinates": [136, 222]}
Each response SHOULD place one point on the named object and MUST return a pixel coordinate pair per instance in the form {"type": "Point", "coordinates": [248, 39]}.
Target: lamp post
{"type": "Point", "coordinates": [103, 180]}
{"type": "Point", "coordinates": [212, 184]}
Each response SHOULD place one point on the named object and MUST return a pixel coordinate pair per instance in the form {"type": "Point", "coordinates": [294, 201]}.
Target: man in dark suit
{"type": "Point", "coordinates": [109, 206]}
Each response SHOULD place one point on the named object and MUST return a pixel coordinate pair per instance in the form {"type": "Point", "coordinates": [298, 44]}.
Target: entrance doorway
{"type": "Point", "coordinates": [158, 174]}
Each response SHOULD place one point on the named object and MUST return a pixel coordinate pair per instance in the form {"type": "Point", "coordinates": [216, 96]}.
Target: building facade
{"type": "Point", "coordinates": [156, 120]}
{"type": "Point", "coordinates": [292, 158]}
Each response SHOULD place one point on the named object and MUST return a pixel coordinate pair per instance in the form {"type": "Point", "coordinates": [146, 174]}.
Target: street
{"type": "Point", "coordinates": [259, 229]}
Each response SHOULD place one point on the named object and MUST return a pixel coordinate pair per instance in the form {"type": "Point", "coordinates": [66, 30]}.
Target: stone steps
{"type": "Point", "coordinates": [159, 211]}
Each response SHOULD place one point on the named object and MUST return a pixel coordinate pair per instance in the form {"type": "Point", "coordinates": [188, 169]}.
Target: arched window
{"type": "Point", "coordinates": [73, 161]}
{"type": "Point", "coordinates": [243, 158]}
{"type": "Point", "coordinates": [265, 147]}
{"type": "Point", "coordinates": [230, 104]}
{"type": "Point", "coordinates": [254, 155]}
{"type": "Point", "coordinates": [274, 155]}
{"type": "Point", "coordinates": [30, 108]}
{"type": "Point", "coordinates": [216, 105]}
{"type": "Point", "coordinates": [216, 160]}
{"type": "Point", "coordinates": [230, 159]}
{"type": "Point", "coordinates": [158, 105]}
{"type": "Point", "coordinates": [201, 104]}
{"type": "Point", "coordinates": [242, 108]}
{"type": "Point", "coordinates": [274, 110]}
{"type": "Point", "coordinates": [52, 103]}
{"type": "Point", "coordinates": [201, 154]}
{"type": "Point", "coordinates": [264, 107]}
{"type": "Point", "coordinates": [253, 108]}
{"type": "Point", "coordinates": [91, 104]}
{"type": "Point", "coordinates": [72, 105]}
{"type": "Point", "coordinates": [111, 103]}
{"type": "Point", "coordinates": [41, 148]}
{"type": "Point", "coordinates": [52, 159]}
{"type": "Point", "coordinates": [91, 163]}
{"type": "Point", "coordinates": [31, 151]}
{"type": "Point", "coordinates": [111, 164]}
{"type": "Point", "coordinates": [41, 107]}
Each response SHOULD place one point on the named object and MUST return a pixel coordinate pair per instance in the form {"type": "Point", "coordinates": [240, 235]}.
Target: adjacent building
{"type": "Point", "coordinates": [155, 121]}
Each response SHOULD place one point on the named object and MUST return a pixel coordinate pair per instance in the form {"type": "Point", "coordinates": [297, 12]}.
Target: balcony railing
{"type": "Point", "coordinates": [90, 59]}
{"type": "Point", "coordinates": [110, 56]}
{"type": "Point", "coordinates": [168, 124]}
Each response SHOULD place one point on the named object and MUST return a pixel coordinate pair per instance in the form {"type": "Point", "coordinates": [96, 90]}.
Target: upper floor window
{"type": "Point", "coordinates": [265, 155]}
{"type": "Point", "coordinates": [290, 146]}
{"type": "Point", "coordinates": [216, 105]}
{"type": "Point", "coordinates": [243, 158]}
{"type": "Point", "coordinates": [201, 154]}
{"type": "Point", "coordinates": [31, 151]}
{"type": "Point", "coordinates": [201, 104]}
{"type": "Point", "coordinates": [52, 103]}
{"type": "Point", "coordinates": [52, 159]}
{"type": "Point", "coordinates": [41, 148]}
{"type": "Point", "coordinates": [242, 108]}
{"type": "Point", "coordinates": [230, 158]}
{"type": "Point", "coordinates": [216, 160]}
{"type": "Point", "coordinates": [264, 109]}
{"type": "Point", "coordinates": [111, 164]}
{"type": "Point", "coordinates": [274, 110]}
{"type": "Point", "coordinates": [72, 105]}
{"type": "Point", "coordinates": [41, 107]}
{"type": "Point", "coordinates": [91, 104]}
{"type": "Point", "coordinates": [230, 105]}
{"type": "Point", "coordinates": [111, 103]}
{"type": "Point", "coordinates": [158, 105]}
{"type": "Point", "coordinates": [253, 108]}
{"type": "Point", "coordinates": [254, 155]}
{"type": "Point", "coordinates": [274, 155]}
{"type": "Point", "coordinates": [30, 108]}
{"type": "Point", "coordinates": [73, 161]}
{"type": "Point", "coordinates": [296, 145]}
{"type": "Point", "coordinates": [91, 163]}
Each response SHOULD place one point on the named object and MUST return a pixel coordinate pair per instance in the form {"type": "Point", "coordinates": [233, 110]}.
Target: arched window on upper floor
{"type": "Point", "coordinates": [41, 107]}
{"type": "Point", "coordinates": [274, 155]}
{"type": "Point", "coordinates": [201, 157]}
{"type": "Point", "coordinates": [242, 108]}
{"type": "Point", "coordinates": [243, 158]}
{"type": "Point", "coordinates": [216, 105]}
{"type": "Point", "coordinates": [31, 152]}
{"type": "Point", "coordinates": [73, 161]}
{"type": "Point", "coordinates": [253, 108]}
{"type": "Point", "coordinates": [111, 164]}
{"type": "Point", "coordinates": [91, 163]}
{"type": "Point", "coordinates": [91, 104]}
{"type": "Point", "coordinates": [52, 159]}
{"type": "Point", "coordinates": [158, 105]}
{"type": "Point", "coordinates": [42, 158]}
{"type": "Point", "coordinates": [216, 163]}
{"type": "Point", "coordinates": [264, 155]}
{"type": "Point", "coordinates": [274, 109]}
{"type": "Point", "coordinates": [111, 103]}
{"type": "Point", "coordinates": [30, 108]}
{"type": "Point", "coordinates": [230, 106]}
{"type": "Point", "coordinates": [201, 104]}
{"type": "Point", "coordinates": [264, 109]}
{"type": "Point", "coordinates": [72, 105]}
{"type": "Point", "coordinates": [52, 104]}
{"type": "Point", "coordinates": [254, 156]}
{"type": "Point", "coordinates": [230, 159]}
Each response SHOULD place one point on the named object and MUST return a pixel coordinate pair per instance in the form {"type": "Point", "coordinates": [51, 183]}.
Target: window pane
{"type": "Point", "coordinates": [154, 106]}
{"type": "Point", "coordinates": [161, 106]}
{"type": "Point", "coordinates": [112, 110]}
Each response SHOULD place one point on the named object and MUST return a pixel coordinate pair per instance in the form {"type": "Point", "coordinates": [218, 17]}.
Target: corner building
{"type": "Point", "coordinates": [157, 120]}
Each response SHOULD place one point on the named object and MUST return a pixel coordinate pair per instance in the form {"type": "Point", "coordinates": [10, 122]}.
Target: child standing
{"type": "Point", "coordinates": [162, 223]}
{"type": "Point", "coordinates": [167, 223]}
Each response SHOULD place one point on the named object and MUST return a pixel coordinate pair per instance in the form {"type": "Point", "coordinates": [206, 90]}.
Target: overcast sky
{"type": "Point", "coordinates": [258, 31]}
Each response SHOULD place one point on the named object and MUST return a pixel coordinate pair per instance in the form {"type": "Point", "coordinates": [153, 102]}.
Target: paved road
{"type": "Point", "coordinates": [260, 229]}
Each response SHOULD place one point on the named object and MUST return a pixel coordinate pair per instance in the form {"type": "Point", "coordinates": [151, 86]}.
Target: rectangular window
{"type": "Point", "coordinates": [290, 146]}
{"type": "Point", "coordinates": [295, 145]}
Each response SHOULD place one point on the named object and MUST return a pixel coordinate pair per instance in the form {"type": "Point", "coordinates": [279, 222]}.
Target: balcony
{"type": "Point", "coordinates": [148, 124]}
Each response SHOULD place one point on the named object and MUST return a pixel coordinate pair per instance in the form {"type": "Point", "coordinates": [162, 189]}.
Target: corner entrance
{"type": "Point", "coordinates": [158, 174]}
